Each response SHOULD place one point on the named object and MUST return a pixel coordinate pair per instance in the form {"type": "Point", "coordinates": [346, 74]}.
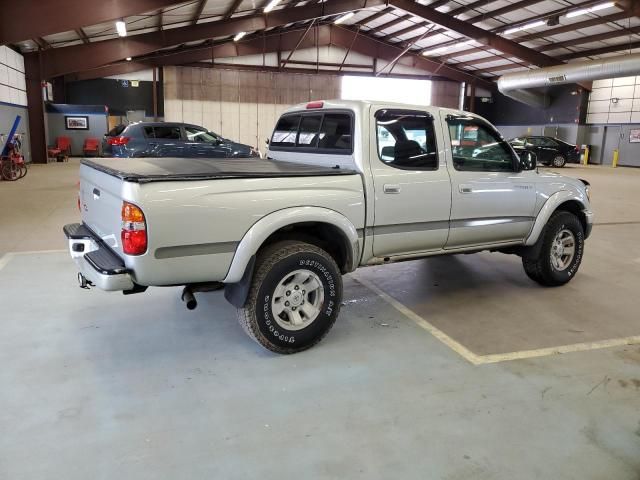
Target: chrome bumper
{"type": "Point", "coordinates": [97, 263]}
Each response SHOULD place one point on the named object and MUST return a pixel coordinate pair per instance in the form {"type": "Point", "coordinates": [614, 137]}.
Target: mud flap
{"type": "Point", "coordinates": [237, 293]}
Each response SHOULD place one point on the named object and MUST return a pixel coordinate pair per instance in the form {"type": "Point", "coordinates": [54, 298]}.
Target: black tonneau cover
{"type": "Point", "coordinates": [147, 170]}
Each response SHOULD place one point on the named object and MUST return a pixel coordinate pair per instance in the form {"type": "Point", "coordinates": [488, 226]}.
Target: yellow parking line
{"type": "Point", "coordinates": [476, 359]}
{"type": "Point", "coordinates": [457, 347]}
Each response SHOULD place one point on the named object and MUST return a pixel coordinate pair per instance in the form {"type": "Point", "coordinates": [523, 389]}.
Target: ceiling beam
{"type": "Point", "coordinates": [549, 33]}
{"type": "Point", "coordinates": [198, 13]}
{"type": "Point", "coordinates": [61, 61]}
{"type": "Point", "coordinates": [107, 71]}
{"type": "Point", "coordinates": [404, 31]}
{"type": "Point", "coordinates": [327, 35]}
{"type": "Point", "coordinates": [554, 46]}
{"type": "Point", "coordinates": [373, 47]}
{"type": "Point", "coordinates": [478, 34]}
{"type": "Point", "coordinates": [375, 16]}
{"type": "Point", "coordinates": [41, 18]}
{"type": "Point", "coordinates": [82, 35]}
{"type": "Point", "coordinates": [389, 24]}
{"type": "Point", "coordinates": [232, 9]}
{"type": "Point", "coordinates": [601, 51]}
{"type": "Point", "coordinates": [479, 18]}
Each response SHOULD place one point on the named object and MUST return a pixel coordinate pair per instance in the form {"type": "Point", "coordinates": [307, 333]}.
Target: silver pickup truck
{"type": "Point", "coordinates": [345, 185]}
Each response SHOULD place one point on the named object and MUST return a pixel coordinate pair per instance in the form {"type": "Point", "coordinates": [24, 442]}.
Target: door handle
{"type": "Point", "coordinates": [96, 194]}
{"type": "Point", "coordinates": [466, 189]}
{"type": "Point", "coordinates": [391, 188]}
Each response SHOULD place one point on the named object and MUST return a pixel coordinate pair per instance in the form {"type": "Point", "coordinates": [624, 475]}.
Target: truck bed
{"type": "Point", "coordinates": [147, 170]}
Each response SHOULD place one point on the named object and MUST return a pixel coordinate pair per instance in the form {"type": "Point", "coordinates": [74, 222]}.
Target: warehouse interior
{"type": "Point", "coordinates": [453, 366]}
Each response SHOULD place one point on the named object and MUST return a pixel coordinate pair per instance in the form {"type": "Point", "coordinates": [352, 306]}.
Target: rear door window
{"type": "Point", "coordinates": [167, 133]}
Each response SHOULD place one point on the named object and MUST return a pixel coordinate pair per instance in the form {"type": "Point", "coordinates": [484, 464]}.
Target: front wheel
{"type": "Point", "coordinates": [294, 298]}
{"type": "Point", "coordinates": [559, 251]}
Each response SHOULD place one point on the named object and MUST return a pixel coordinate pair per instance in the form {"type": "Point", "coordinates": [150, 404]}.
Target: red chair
{"type": "Point", "coordinates": [91, 146]}
{"type": "Point", "coordinates": [64, 145]}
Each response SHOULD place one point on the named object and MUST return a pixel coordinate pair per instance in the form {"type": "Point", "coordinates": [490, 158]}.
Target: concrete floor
{"type": "Point", "coordinates": [98, 385]}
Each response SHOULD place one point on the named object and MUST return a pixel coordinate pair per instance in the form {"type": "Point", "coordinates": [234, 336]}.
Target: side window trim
{"type": "Point", "coordinates": [428, 118]}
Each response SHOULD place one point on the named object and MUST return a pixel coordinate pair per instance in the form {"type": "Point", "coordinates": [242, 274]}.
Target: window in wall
{"type": "Point", "coordinates": [406, 139]}
{"type": "Point", "coordinates": [286, 131]}
{"type": "Point", "coordinates": [400, 90]}
{"type": "Point", "coordinates": [477, 147]}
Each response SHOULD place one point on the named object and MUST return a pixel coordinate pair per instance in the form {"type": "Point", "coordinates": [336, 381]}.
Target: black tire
{"type": "Point", "coordinates": [10, 171]}
{"type": "Point", "coordinates": [538, 262]}
{"type": "Point", "coordinates": [273, 265]}
{"type": "Point", "coordinates": [558, 161]}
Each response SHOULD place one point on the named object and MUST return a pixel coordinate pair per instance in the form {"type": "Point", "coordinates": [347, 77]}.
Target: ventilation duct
{"type": "Point", "coordinates": [516, 85]}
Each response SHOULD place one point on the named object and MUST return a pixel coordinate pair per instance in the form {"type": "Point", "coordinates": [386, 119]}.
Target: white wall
{"type": "Point", "coordinates": [601, 109]}
{"type": "Point", "coordinates": [239, 105]}
{"type": "Point", "coordinates": [13, 87]}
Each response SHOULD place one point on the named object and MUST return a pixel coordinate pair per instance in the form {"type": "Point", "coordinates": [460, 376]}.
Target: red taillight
{"type": "Point", "coordinates": [118, 141]}
{"type": "Point", "coordinates": [315, 104]}
{"type": "Point", "coordinates": [134, 230]}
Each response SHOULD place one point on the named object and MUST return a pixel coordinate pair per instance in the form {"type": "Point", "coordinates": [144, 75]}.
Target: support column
{"type": "Point", "coordinates": [35, 108]}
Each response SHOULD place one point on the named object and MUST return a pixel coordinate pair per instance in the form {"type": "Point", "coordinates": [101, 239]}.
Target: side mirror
{"type": "Point", "coordinates": [528, 160]}
{"type": "Point", "coordinates": [266, 141]}
{"type": "Point", "coordinates": [388, 152]}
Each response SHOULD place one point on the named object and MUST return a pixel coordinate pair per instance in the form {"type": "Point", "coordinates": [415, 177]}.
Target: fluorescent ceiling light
{"type": "Point", "coordinates": [121, 28]}
{"type": "Point", "coordinates": [128, 59]}
{"type": "Point", "coordinates": [595, 8]}
{"type": "Point", "coordinates": [239, 36]}
{"type": "Point", "coordinates": [344, 17]}
{"type": "Point", "coordinates": [539, 23]}
{"type": "Point", "coordinates": [271, 5]}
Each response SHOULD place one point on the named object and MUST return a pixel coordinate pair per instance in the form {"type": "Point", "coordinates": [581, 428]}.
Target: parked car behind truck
{"type": "Point", "coordinates": [166, 139]}
{"type": "Point", "coordinates": [350, 184]}
{"type": "Point", "coordinates": [548, 150]}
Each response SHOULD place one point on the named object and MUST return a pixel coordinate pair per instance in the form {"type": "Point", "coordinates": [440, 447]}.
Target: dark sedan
{"type": "Point", "coordinates": [150, 139]}
{"type": "Point", "coordinates": [548, 150]}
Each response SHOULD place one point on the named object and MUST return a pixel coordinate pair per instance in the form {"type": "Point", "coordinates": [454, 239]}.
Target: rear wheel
{"type": "Point", "coordinates": [559, 251]}
{"type": "Point", "coordinates": [294, 298]}
{"type": "Point", "coordinates": [10, 170]}
{"type": "Point", "coordinates": [559, 161]}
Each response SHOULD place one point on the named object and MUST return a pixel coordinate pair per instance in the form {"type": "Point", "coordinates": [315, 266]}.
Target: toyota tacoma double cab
{"type": "Point", "coordinates": [345, 184]}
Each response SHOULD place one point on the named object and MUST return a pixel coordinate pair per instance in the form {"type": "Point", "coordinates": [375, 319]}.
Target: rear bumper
{"type": "Point", "coordinates": [96, 261]}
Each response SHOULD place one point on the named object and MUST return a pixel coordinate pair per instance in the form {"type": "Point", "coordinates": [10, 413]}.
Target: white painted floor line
{"type": "Point", "coordinates": [6, 258]}
{"type": "Point", "coordinates": [476, 359]}
{"type": "Point", "coordinates": [575, 347]}
{"type": "Point", "coordinates": [421, 322]}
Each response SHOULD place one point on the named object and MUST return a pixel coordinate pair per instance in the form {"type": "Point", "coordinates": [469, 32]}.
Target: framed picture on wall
{"type": "Point", "coordinates": [76, 122]}
{"type": "Point", "coordinates": [634, 135]}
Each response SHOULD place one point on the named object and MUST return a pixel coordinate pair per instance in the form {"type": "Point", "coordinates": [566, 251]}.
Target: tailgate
{"type": "Point", "coordinates": [101, 204]}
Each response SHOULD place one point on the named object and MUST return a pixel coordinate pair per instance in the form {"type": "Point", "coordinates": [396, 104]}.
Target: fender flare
{"type": "Point", "coordinates": [255, 237]}
{"type": "Point", "coordinates": [550, 206]}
